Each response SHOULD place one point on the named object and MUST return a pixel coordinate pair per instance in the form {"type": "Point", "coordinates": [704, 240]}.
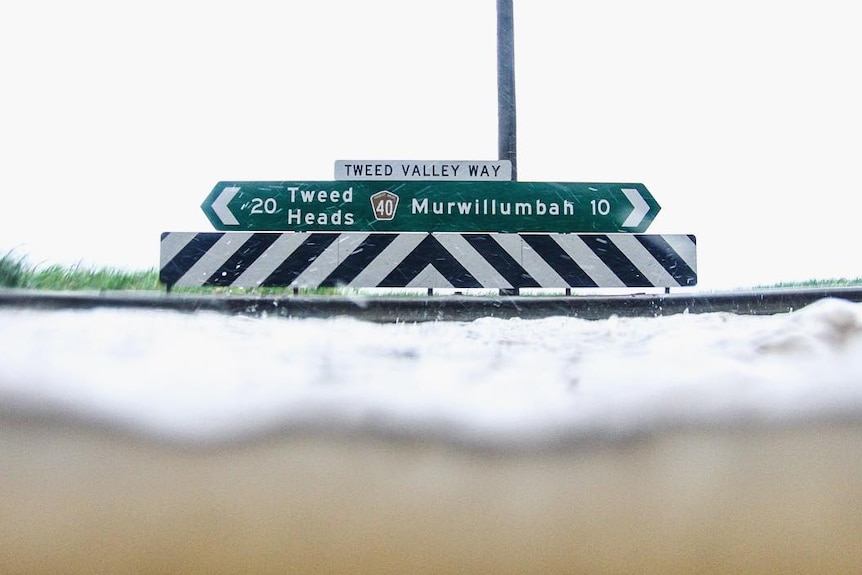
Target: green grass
{"type": "Point", "coordinates": [13, 271]}
{"type": "Point", "coordinates": [838, 282]}
{"type": "Point", "coordinates": [16, 272]}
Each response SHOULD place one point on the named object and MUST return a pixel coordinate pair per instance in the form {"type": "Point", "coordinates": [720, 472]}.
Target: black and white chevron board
{"type": "Point", "coordinates": [427, 260]}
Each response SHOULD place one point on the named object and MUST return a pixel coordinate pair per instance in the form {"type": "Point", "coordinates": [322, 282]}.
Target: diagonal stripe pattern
{"type": "Point", "coordinates": [433, 260]}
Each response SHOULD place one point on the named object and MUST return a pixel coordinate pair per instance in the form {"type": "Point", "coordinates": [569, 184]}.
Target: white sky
{"type": "Point", "coordinates": [741, 117]}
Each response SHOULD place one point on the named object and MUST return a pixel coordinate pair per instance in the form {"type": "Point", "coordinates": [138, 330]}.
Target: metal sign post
{"type": "Point", "coordinates": [506, 85]}
{"type": "Point", "coordinates": [506, 131]}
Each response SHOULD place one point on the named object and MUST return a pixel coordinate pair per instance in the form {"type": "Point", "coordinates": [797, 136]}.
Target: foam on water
{"type": "Point", "coordinates": [209, 377]}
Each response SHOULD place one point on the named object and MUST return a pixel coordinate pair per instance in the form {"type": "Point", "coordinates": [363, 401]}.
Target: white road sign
{"type": "Point", "coordinates": [487, 170]}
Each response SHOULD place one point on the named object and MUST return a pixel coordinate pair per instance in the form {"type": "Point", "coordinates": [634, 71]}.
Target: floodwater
{"type": "Point", "coordinates": [177, 442]}
{"type": "Point", "coordinates": [208, 377]}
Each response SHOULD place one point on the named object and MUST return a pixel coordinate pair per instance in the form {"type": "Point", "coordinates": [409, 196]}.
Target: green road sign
{"type": "Point", "coordinates": [430, 206]}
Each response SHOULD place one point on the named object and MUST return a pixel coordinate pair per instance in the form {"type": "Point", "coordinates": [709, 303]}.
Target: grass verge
{"type": "Point", "coordinates": [15, 272]}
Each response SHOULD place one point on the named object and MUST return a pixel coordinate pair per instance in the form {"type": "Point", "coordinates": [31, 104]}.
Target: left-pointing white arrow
{"type": "Point", "coordinates": [641, 208]}
{"type": "Point", "coordinates": [220, 206]}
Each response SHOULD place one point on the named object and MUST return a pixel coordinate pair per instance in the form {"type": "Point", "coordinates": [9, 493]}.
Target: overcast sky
{"type": "Point", "coordinates": [741, 117]}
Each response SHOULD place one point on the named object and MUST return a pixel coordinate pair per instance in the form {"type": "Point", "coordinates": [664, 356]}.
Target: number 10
{"type": "Point", "coordinates": [600, 207]}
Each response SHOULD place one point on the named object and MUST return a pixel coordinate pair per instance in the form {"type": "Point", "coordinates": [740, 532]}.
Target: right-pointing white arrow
{"type": "Point", "coordinates": [222, 211]}
{"type": "Point", "coordinates": [641, 208]}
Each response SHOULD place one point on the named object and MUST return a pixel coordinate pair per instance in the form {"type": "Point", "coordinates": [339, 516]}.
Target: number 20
{"type": "Point", "coordinates": [263, 206]}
